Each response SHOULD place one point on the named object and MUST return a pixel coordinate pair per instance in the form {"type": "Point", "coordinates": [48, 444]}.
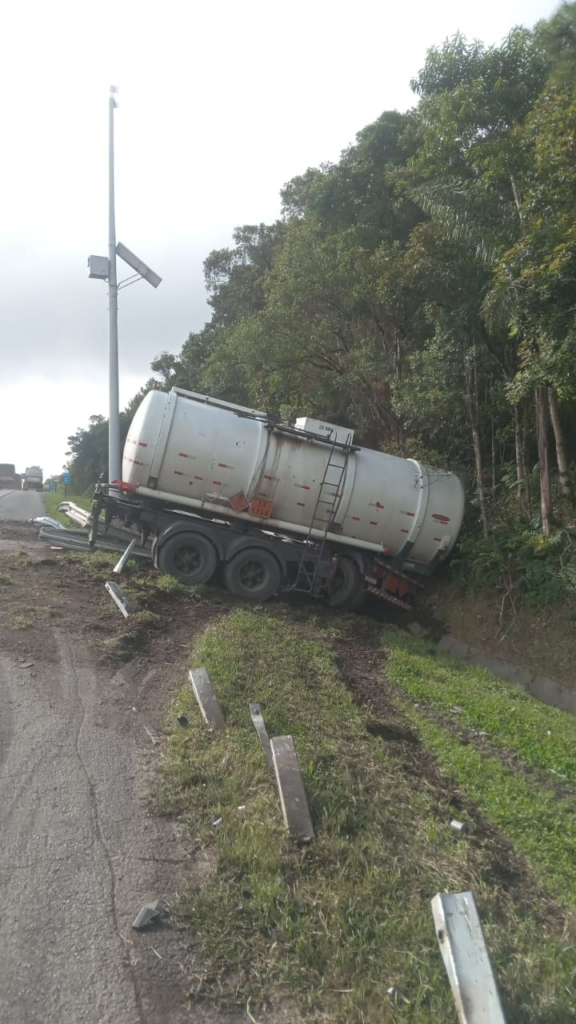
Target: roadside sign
{"type": "Point", "coordinates": [65, 478]}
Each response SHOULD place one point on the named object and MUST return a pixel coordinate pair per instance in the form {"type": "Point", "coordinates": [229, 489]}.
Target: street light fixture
{"type": "Point", "coordinates": [104, 268]}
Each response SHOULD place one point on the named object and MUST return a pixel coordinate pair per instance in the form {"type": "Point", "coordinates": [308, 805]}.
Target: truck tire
{"type": "Point", "coordinates": [189, 557]}
{"type": "Point", "coordinates": [253, 574]}
{"type": "Point", "coordinates": [347, 588]}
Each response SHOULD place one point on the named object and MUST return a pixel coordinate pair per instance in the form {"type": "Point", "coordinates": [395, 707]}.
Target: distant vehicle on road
{"type": "Point", "coordinates": [9, 478]}
{"type": "Point", "coordinates": [33, 480]}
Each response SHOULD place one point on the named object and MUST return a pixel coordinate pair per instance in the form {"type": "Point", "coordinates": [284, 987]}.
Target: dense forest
{"type": "Point", "coordinates": [423, 291]}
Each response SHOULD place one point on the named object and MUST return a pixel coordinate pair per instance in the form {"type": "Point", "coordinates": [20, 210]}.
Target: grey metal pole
{"type": "Point", "coordinates": [114, 464]}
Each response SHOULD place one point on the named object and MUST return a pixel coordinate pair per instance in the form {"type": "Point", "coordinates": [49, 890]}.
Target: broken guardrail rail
{"type": "Point", "coordinates": [77, 540]}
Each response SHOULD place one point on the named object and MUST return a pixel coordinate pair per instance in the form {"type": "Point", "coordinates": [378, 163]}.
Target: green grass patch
{"type": "Point", "coordinates": [332, 927]}
{"type": "Point", "coordinates": [544, 737]}
{"type": "Point", "coordinates": [541, 826]}
{"type": "Point", "coordinates": [22, 621]}
{"type": "Point", "coordinates": [51, 502]}
{"type": "Point", "coordinates": [5, 579]}
{"type": "Point", "coordinates": [94, 563]}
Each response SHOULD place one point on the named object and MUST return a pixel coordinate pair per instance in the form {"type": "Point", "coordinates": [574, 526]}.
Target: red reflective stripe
{"type": "Point", "coordinates": [372, 523]}
{"type": "Point", "coordinates": [217, 483]}
{"type": "Point", "coordinates": [124, 486]}
{"type": "Point", "coordinates": [356, 518]}
{"type": "Point", "coordinates": [304, 487]}
{"type": "Point", "coordinates": [198, 477]}
{"type": "Point", "coordinates": [178, 473]}
{"type": "Point", "coordinates": [379, 505]}
{"type": "Point", "coordinates": [222, 465]}
{"type": "Point", "coordinates": [439, 539]}
{"type": "Point", "coordinates": [301, 503]}
{"type": "Point", "coordinates": [143, 444]}
{"type": "Point", "coordinates": [441, 519]}
{"type": "Point", "coordinates": [268, 477]}
{"type": "Point", "coordinates": [404, 531]}
{"type": "Point", "coordinates": [408, 514]}
{"type": "Point", "coordinates": [182, 455]}
{"type": "Point", "coordinates": [336, 495]}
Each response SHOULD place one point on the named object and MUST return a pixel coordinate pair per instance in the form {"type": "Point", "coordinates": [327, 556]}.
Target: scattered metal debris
{"type": "Point", "coordinates": [120, 599]}
{"type": "Point", "coordinates": [75, 513]}
{"type": "Point", "coordinates": [152, 734]}
{"type": "Point", "coordinates": [456, 709]}
{"type": "Point", "coordinates": [148, 913]}
{"type": "Point", "coordinates": [218, 821]}
{"type": "Point", "coordinates": [466, 959]}
{"type": "Point", "coordinates": [206, 697]}
{"type": "Point", "coordinates": [258, 720]}
{"type": "Point", "coordinates": [456, 825]}
{"type": "Point", "coordinates": [47, 521]}
{"type": "Point", "coordinates": [291, 790]}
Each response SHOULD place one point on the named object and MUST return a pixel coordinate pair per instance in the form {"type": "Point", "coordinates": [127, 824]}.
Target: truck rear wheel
{"type": "Point", "coordinates": [347, 587]}
{"type": "Point", "coordinates": [189, 557]}
{"type": "Point", "coordinates": [253, 574]}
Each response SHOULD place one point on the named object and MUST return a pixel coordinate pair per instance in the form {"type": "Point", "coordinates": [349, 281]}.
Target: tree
{"type": "Point", "coordinates": [89, 452]}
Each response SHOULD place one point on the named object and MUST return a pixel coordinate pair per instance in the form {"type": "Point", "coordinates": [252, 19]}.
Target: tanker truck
{"type": "Point", "coordinates": [33, 480]}
{"type": "Point", "coordinates": [223, 491]}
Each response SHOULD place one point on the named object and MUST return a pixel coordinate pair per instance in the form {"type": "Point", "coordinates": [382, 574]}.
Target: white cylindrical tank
{"type": "Point", "coordinates": [200, 453]}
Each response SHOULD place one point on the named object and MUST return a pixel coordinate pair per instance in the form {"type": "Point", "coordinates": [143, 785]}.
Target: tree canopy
{"type": "Point", "coordinates": [421, 289]}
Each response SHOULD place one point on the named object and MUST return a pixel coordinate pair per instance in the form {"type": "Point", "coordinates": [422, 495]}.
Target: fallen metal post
{"type": "Point", "coordinates": [466, 958]}
{"type": "Point", "coordinates": [291, 790]}
{"type": "Point", "coordinates": [120, 599]}
{"type": "Point", "coordinates": [122, 561]}
{"type": "Point", "coordinates": [259, 725]}
{"type": "Point", "coordinates": [206, 697]}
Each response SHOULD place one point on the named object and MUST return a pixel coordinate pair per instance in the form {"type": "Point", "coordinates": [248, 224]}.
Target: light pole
{"type": "Point", "coordinates": [114, 466]}
{"type": "Point", "coordinates": [104, 269]}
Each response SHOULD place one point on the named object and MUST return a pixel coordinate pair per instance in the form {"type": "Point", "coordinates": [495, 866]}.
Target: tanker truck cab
{"type": "Point", "coordinates": [226, 492]}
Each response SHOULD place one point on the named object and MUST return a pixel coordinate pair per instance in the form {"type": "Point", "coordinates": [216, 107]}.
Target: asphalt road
{"type": "Point", "coordinates": [18, 506]}
{"type": "Point", "coordinates": [80, 852]}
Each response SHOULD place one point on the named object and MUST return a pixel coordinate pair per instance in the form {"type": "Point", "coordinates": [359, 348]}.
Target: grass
{"type": "Point", "coordinates": [5, 579]}
{"type": "Point", "coordinates": [51, 502]}
{"type": "Point", "coordinates": [544, 737]}
{"type": "Point", "coordinates": [22, 621]}
{"type": "Point", "coordinates": [541, 825]}
{"type": "Point", "coordinates": [335, 926]}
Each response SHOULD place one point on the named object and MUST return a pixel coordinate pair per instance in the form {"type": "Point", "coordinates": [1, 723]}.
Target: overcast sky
{"type": "Point", "coordinates": [219, 105]}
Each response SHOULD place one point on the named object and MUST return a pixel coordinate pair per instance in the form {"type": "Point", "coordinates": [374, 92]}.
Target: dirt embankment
{"type": "Point", "coordinates": [541, 640]}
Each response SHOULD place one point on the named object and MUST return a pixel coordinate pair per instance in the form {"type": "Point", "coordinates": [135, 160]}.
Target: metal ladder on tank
{"type": "Point", "coordinates": [330, 503]}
